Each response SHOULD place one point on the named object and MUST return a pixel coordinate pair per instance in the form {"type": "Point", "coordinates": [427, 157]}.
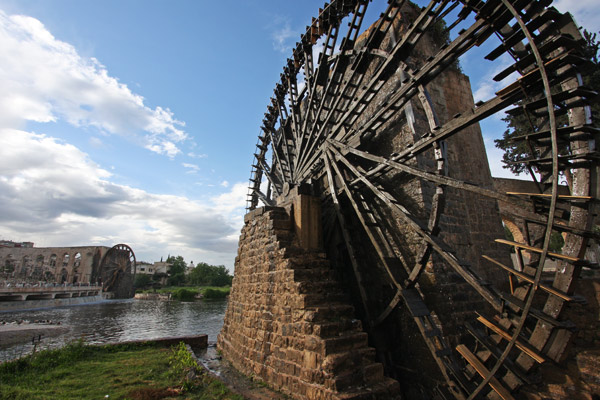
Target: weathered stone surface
{"type": "Point", "coordinates": [50, 264]}
{"type": "Point", "coordinates": [289, 324]}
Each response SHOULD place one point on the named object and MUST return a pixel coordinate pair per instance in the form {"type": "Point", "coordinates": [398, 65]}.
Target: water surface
{"type": "Point", "coordinates": [121, 320]}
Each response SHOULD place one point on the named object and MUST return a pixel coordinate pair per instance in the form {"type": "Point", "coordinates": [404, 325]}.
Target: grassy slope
{"type": "Point", "coordinates": [121, 372]}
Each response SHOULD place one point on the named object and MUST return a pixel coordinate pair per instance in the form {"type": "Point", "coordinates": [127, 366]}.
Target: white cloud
{"type": "Point", "coordinates": [194, 155]}
{"type": "Point", "coordinates": [586, 12]}
{"type": "Point", "coordinates": [52, 193]}
{"type": "Point", "coordinates": [281, 38]}
{"type": "Point", "coordinates": [486, 86]}
{"type": "Point", "coordinates": [224, 183]}
{"type": "Point", "coordinates": [44, 79]}
{"type": "Point", "coordinates": [192, 168]}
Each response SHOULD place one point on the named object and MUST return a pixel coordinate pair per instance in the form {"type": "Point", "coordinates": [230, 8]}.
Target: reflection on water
{"type": "Point", "coordinates": [121, 320]}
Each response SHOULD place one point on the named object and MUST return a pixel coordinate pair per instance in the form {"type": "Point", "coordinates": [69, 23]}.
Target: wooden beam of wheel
{"type": "Point", "coordinates": [483, 371]}
{"type": "Point", "coordinates": [537, 250]}
{"type": "Point", "coordinates": [436, 243]}
{"type": "Point", "coordinates": [560, 196]}
{"type": "Point", "coordinates": [378, 248]}
{"type": "Point", "coordinates": [525, 348]}
{"type": "Point", "coordinates": [528, 279]}
{"type": "Point", "coordinates": [346, 235]}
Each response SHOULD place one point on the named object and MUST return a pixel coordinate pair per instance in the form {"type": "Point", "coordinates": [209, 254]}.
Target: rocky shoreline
{"type": "Point", "coordinates": [15, 333]}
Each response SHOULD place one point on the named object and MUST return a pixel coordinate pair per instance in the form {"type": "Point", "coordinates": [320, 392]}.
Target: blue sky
{"type": "Point", "coordinates": [135, 121]}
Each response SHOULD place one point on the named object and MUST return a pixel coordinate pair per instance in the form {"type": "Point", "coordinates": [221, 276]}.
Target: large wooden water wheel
{"type": "Point", "coordinates": [117, 271]}
{"type": "Point", "coordinates": [367, 119]}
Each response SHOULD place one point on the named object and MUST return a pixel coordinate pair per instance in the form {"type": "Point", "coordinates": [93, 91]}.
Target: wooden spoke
{"type": "Point", "coordinates": [383, 131]}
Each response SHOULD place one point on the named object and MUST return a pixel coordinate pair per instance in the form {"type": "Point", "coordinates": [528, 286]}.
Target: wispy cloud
{"type": "Point", "coordinates": [284, 37]}
{"type": "Point", "coordinates": [486, 86]}
{"type": "Point", "coordinates": [195, 155]}
{"type": "Point", "coordinates": [192, 168]}
{"type": "Point", "coordinates": [586, 12]}
{"type": "Point", "coordinates": [53, 193]}
{"type": "Point", "coordinates": [44, 80]}
{"type": "Point", "coordinates": [96, 142]}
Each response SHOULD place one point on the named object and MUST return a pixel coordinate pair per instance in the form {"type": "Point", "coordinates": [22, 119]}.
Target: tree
{"type": "Point", "coordinates": [142, 280]}
{"type": "Point", "coordinates": [177, 271]}
{"type": "Point", "coordinates": [519, 123]}
{"type": "Point", "coordinates": [210, 275]}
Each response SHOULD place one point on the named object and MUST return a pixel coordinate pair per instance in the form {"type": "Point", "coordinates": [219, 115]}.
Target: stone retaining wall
{"type": "Point", "coordinates": [289, 324]}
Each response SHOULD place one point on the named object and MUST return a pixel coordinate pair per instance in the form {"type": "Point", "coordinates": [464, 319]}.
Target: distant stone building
{"type": "Point", "coordinates": [50, 264]}
{"type": "Point", "coordinates": [114, 267]}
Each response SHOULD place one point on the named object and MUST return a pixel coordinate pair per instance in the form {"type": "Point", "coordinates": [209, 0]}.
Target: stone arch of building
{"type": "Point", "coordinates": [514, 229]}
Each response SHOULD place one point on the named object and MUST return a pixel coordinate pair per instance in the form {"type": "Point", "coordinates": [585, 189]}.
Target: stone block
{"type": "Point", "coordinates": [269, 329]}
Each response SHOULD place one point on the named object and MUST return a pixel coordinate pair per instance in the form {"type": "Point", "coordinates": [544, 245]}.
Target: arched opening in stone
{"type": "Point", "coordinates": [514, 230]}
{"type": "Point", "coordinates": [9, 264]}
{"type": "Point", "coordinates": [26, 266]}
{"type": "Point", "coordinates": [77, 260]}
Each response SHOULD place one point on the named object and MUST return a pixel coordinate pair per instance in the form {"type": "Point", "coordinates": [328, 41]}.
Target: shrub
{"type": "Point", "coordinates": [215, 293]}
{"type": "Point", "coordinates": [142, 280]}
{"type": "Point", "coordinates": [183, 294]}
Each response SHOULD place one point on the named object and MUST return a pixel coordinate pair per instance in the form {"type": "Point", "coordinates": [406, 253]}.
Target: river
{"type": "Point", "coordinates": [121, 320]}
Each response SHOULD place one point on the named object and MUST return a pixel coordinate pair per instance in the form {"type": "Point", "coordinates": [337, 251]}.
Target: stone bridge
{"type": "Point", "coordinates": [9, 293]}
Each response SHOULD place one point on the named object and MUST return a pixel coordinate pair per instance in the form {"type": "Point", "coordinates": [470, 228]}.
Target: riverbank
{"type": "Point", "coordinates": [184, 293]}
{"type": "Point", "coordinates": [172, 367]}
{"type": "Point", "coordinates": [142, 370]}
{"type": "Point", "coordinates": [14, 333]}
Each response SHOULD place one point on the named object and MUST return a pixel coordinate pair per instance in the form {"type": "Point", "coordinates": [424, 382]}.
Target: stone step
{"type": "Point", "coordinates": [304, 261]}
{"type": "Point", "coordinates": [311, 287]}
{"type": "Point", "coordinates": [344, 342]}
{"type": "Point", "coordinates": [348, 361]}
{"type": "Point", "coordinates": [357, 377]}
{"type": "Point", "coordinates": [387, 389]}
{"type": "Point", "coordinates": [323, 298]}
{"type": "Point", "coordinates": [314, 274]}
{"type": "Point", "coordinates": [280, 225]}
{"type": "Point", "coordinates": [330, 329]}
{"type": "Point", "coordinates": [283, 237]}
{"type": "Point", "coordinates": [328, 312]}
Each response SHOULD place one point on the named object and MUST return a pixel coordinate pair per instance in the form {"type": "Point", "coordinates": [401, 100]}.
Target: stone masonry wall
{"type": "Point", "coordinates": [50, 264]}
{"type": "Point", "coordinates": [289, 324]}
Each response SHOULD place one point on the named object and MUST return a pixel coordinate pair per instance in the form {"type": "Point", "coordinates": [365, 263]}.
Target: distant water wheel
{"type": "Point", "coordinates": [117, 270]}
{"type": "Point", "coordinates": [372, 127]}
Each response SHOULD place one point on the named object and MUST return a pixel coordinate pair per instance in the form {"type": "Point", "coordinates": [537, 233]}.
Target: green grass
{"type": "Point", "coordinates": [183, 294]}
{"type": "Point", "coordinates": [136, 372]}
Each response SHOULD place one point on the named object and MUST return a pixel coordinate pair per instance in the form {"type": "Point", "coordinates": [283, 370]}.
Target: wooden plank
{"type": "Point", "coordinates": [536, 250]}
{"type": "Point", "coordinates": [483, 371]}
{"type": "Point", "coordinates": [540, 315]}
{"type": "Point", "coordinates": [415, 304]}
{"type": "Point", "coordinates": [560, 196]}
{"type": "Point", "coordinates": [526, 278]}
{"type": "Point", "coordinates": [525, 348]}
{"type": "Point", "coordinates": [431, 177]}
{"type": "Point", "coordinates": [346, 235]}
{"type": "Point", "coordinates": [437, 244]}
